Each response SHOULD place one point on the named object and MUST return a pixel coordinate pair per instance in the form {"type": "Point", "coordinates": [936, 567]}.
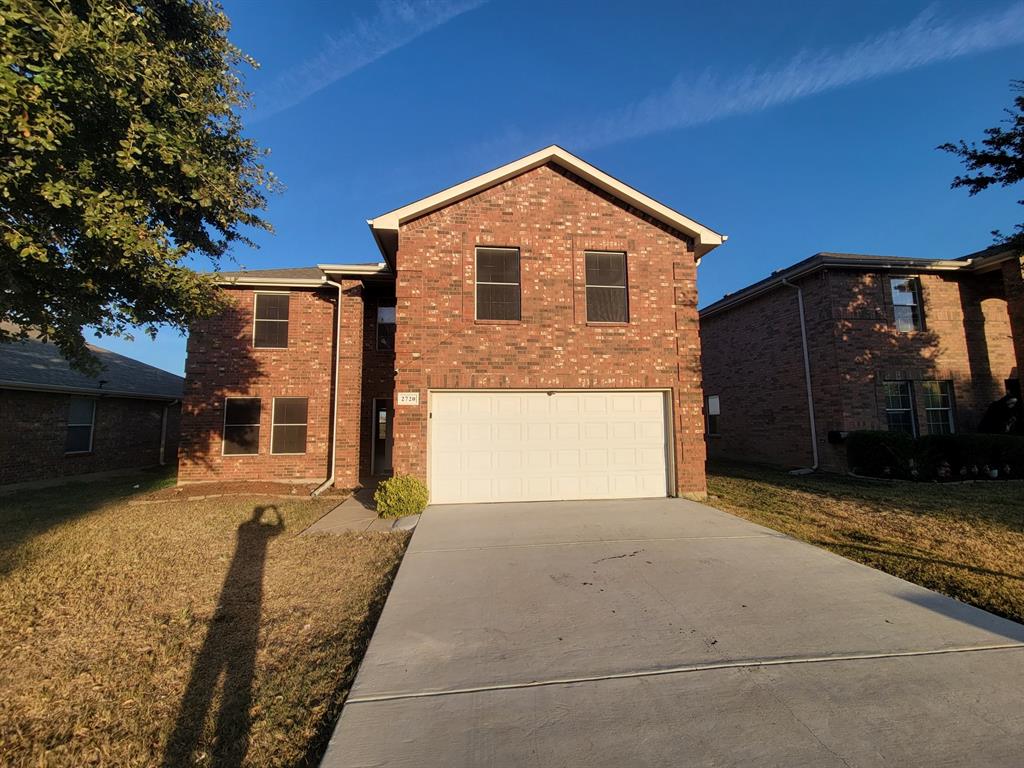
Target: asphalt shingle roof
{"type": "Point", "coordinates": [292, 273]}
{"type": "Point", "coordinates": [32, 363]}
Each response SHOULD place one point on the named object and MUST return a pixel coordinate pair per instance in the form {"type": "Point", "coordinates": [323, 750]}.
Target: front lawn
{"type": "Point", "coordinates": [964, 540]}
{"type": "Point", "coordinates": [189, 632]}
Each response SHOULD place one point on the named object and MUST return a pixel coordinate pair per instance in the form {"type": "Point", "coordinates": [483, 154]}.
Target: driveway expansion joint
{"type": "Point", "coordinates": [686, 669]}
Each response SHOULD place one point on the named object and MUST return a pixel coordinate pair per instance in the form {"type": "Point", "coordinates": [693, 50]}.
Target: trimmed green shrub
{"type": "Point", "coordinates": [880, 454]}
{"type": "Point", "coordinates": [935, 457]}
{"type": "Point", "coordinates": [401, 495]}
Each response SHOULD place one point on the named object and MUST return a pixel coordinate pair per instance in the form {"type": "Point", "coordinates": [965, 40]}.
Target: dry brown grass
{"type": "Point", "coordinates": [964, 540]}
{"type": "Point", "coordinates": [115, 652]}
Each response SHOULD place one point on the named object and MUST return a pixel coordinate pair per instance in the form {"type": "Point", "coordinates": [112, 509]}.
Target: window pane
{"type": "Point", "coordinates": [270, 333]}
{"type": "Point", "coordinates": [606, 268]}
{"type": "Point", "coordinates": [242, 410]}
{"type": "Point", "coordinates": [712, 424]}
{"type": "Point", "coordinates": [290, 410]}
{"type": "Point", "coordinates": [714, 405]}
{"type": "Point", "coordinates": [497, 265]}
{"type": "Point", "coordinates": [289, 439]}
{"type": "Point", "coordinates": [940, 422]}
{"type": "Point", "coordinates": [241, 440]}
{"type": "Point", "coordinates": [385, 315]}
{"type": "Point", "coordinates": [903, 291]}
{"type": "Point", "coordinates": [79, 439]}
{"type": "Point", "coordinates": [497, 302]}
{"type": "Point", "coordinates": [900, 421]}
{"type": "Point", "coordinates": [907, 319]}
{"type": "Point", "coordinates": [607, 305]}
{"type": "Point", "coordinates": [937, 394]}
{"type": "Point", "coordinates": [271, 306]}
{"type": "Point", "coordinates": [386, 336]}
{"type": "Point", "coordinates": [897, 395]}
{"type": "Point", "coordinates": [80, 410]}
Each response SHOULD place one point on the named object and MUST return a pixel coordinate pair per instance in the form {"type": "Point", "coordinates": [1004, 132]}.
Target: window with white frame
{"type": "Point", "coordinates": [906, 303]}
{"type": "Point", "coordinates": [241, 426]}
{"type": "Point", "coordinates": [81, 424]}
{"type": "Point", "coordinates": [607, 294]}
{"type": "Point", "coordinates": [938, 407]}
{"type": "Point", "coordinates": [714, 411]}
{"type": "Point", "coordinates": [386, 329]}
{"type": "Point", "coordinates": [497, 284]}
{"type": "Point", "coordinates": [270, 323]}
{"type": "Point", "coordinates": [288, 433]}
{"type": "Point", "coordinates": [899, 407]}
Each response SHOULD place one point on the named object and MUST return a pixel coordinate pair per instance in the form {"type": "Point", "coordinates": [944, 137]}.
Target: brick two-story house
{"type": "Point", "coordinates": [841, 342]}
{"type": "Point", "coordinates": [530, 334]}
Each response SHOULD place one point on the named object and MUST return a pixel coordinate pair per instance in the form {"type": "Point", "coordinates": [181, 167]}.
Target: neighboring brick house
{"type": "Point", "coordinates": [59, 422]}
{"type": "Point", "coordinates": [918, 345]}
{"type": "Point", "coordinates": [531, 334]}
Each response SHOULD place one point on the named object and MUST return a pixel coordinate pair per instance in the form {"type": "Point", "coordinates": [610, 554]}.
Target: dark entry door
{"type": "Point", "coordinates": [383, 414]}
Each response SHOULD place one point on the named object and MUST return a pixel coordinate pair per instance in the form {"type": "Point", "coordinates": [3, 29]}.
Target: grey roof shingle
{"type": "Point", "coordinates": [34, 364]}
{"type": "Point", "coordinates": [291, 273]}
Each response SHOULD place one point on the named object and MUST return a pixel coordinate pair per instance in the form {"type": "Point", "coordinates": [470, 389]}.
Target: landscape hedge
{"type": "Point", "coordinates": [935, 457]}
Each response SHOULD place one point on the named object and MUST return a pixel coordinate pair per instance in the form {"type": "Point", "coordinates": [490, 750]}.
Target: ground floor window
{"type": "Point", "coordinates": [899, 407]}
{"type": "Point", "coordinates": [81, 422]}
{"type": "Point", "coordinates": [241, 426]}
{"type": "Point", "coordinates": [288, 433]}
{"type": "Point", "coordinates": [714, 411]}
{"type": "Point", "coordinates": [938, 407]}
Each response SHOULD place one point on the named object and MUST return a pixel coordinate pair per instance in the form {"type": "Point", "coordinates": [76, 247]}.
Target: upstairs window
{"type": "Point", "coordinates": [497, 284]}
{"type": "Point", "coordinates": [386, 329]}
{"type": "Point", "coordinates": [270, 327]}
{"type": "Point", "coordinates": [81, 422]}
{"type": "Point", "coordinates": [241, 426]}
{"type": "Point", "coordinates": [714, 411]}
{"type": "Point", "coordinates": [288, 433]}
{"type": "Point", "coordinates": [899, 407]}
{"type": "Point", "coordinates": [938, 407]}
{"type": "Point", "coordinates": [906, 303]}
{"type": "Point", "coordinates": [607, 295]}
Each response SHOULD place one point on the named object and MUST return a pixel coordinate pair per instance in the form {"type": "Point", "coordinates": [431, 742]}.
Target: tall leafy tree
{"type": "Point", "coordinates": [122, 154]}
{"type": "Point", "coordinates": [998, 161]}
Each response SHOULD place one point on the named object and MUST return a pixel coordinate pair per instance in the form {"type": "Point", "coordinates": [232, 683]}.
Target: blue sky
{"type": "Point", "coordinates": [795, 128]}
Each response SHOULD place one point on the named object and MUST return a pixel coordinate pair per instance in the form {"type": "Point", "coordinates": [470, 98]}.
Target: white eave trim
{"type": "Point", "coordinates": [705, 239]}
{"type": "Point", "coordinates": [355, 269]}
{"type": "Point", "coordinates": [94, 391]}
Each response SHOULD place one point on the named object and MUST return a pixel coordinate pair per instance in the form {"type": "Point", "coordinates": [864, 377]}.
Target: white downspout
{"type": "Point", "coordinates": [807, 372]}
{"type": "Point", "coordinates": [334, 393]}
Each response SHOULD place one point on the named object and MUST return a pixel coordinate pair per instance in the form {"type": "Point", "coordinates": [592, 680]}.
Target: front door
{"type": "Point", "coordinates": [383, 414]}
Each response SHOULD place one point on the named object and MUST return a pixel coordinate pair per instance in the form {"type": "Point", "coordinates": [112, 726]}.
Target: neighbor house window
{"type": "Point", "coordinates": [289, 425]}
{"type": "Point", "coordinates": [497, 284]}
{"type": "Point", "coordinates": [938, 407]}
{"type": "Point", "coordinates": [714, 410]}
{"type": "Point", "coordinates": [386, 328]}
{"type": "Point", "coordinates": [270, 328]}
{"type": "Point", "coordinates": [906, 303]}
{"type": "Point", "coordinates": [241, 426]}
{"type": "Point", "coordinates": [81, 421]}
{"type": "Point", "coordinates": [607, 296]}
{"type": "Point", "coordinates": [899, 407]}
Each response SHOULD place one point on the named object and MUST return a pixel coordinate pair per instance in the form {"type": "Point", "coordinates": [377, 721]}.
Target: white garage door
{"type": "Point", "coordinates": [534, 446]}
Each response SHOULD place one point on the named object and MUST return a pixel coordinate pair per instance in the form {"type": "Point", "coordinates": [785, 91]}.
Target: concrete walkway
{"type": "Point", "coordinates": [667, 633]}
{"type": "Point", "coordinates": [358, 513]}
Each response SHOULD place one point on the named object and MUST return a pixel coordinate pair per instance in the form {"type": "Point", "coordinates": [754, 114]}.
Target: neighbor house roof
{"type": "Point", "coordinates": [39, 366]}
{"type": "Point", "coordinates": [385, 227]}
{"type": "Point", "coordinates": [827, 260]}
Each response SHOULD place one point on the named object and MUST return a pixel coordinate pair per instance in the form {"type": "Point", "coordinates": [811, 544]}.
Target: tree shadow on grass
{"type": "Point", "coordinates": [229, 651]}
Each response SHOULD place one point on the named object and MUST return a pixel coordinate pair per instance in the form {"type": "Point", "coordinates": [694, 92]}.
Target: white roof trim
{"type": "Point", "coordinates": [356, 269]}
{"type": "Point", "coordinates": [705, 239]}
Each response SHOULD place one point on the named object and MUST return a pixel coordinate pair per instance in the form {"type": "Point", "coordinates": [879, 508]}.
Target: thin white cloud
{"type": "Point", "coordinates": [395, 24]}
{"type": "Point", "coordinates": [694, 100]}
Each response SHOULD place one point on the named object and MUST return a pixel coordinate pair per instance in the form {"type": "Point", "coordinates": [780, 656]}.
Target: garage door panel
{"type": "Point", "coordinates": [532, 446]}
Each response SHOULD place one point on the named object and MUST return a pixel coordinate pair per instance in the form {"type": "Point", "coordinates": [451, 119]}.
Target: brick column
{"type": "Point", "coordinates": [691, 449]}
{"type": "Point", "coordinates": [409, 447]}
{"type": "Point", "coordinates": [350, 385]}
{"type": "Point", "coordinates": [1013, 284]}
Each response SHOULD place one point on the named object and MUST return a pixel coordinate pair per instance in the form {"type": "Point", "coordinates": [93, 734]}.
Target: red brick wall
{"type": "Point", "coordinates": [552, 218]}
{"type": "Point", "coordinates": [378, 367]}
{"type": "Point", "coordinates": [222, 363]}
{"type": "Point", "coordinates": [126, 436]}
{"type": "Point", "coordinates": [1013, 279]}
{"type": "Point", "coordinates": [854, 348]}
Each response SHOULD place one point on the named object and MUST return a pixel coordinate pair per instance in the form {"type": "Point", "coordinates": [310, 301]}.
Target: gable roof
{"type": "Point", "coordinates": [385, 227]}
{"type": "Point", "coordinates": [301, 276]}
{"type": "Point", "coordinates": [39, 366]}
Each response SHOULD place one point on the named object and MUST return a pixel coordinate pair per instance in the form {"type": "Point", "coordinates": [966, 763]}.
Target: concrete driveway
{"type": "Point", "coordinates": [666, 633]}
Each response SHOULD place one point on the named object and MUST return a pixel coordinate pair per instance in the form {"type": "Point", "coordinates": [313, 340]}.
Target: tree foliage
{"type": "Point", "coordinates": [123, 154]}
{"type": "Point", "coordinates": [998, 161]}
